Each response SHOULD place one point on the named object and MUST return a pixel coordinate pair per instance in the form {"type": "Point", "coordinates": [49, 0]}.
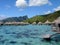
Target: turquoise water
{"type": "Point", "coordinates": [25, 35]}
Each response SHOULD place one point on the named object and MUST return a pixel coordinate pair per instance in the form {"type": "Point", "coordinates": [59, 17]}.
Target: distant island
{"type": "Point", "coordinates": [39, 18]}
{"type": "Point", "coordinates": [14, 19]}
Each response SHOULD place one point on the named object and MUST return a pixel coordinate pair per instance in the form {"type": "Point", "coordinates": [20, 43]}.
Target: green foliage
{"type": "Point", "coordinates": [39, 18]}
{"type": "Point", "coordinates": [43, 18]}
{"type": "Point", "coordinates": [53, 16]}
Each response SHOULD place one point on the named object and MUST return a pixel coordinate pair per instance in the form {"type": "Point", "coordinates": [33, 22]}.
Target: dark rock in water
{"type": "Point", "coordinates": [3, 41]}
{"type": "Point", "coordinates": [31, 41]}
{"type": "Point", "coordinates": [35, 30]}
{"type": "Point", "coordinates": [47, 39]}
{"type": "Point", "coordinates": [13, 32]}
{"type": "Point", "coordinates": [28, 31]}
{"type": "Point", "coordinates": [47, 31]}
{"type": "Point", "coordinates": [34, 33]}
{"type": "Point", "coordinates": [59, 25]}
{"type": "Point", "coordinates": [18, 35]}
{"type": "Point", "coordinates": [25, 43]}
{"type": "Point", "coordinates": [13, 42]}
{"type": "Point", "coordinates": [1, 35]}
{"type": "Point", "coordinates": [56, 39]}
{"type": "Point", "coordinates": [26, 35]}
{"type": "Point", "coordinates": [8, 33]}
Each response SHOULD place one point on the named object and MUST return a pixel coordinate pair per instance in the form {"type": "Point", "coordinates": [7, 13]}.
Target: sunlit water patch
{"type": "Point", "coordinates": [25, 35]}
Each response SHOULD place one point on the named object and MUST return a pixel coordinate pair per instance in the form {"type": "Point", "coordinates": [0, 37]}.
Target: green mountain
{"type": "Point", "coordinates": [42, 18]}
{"type": "Point", "coordinates": [39, 18]}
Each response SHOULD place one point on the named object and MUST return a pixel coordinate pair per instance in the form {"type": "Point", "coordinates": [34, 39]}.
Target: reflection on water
{"type": "Point", "coordinates": [25, 35]}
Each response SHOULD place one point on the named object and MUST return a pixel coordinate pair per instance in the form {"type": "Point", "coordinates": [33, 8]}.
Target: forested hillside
{"type": "Point", "coordinates": [42, 18]}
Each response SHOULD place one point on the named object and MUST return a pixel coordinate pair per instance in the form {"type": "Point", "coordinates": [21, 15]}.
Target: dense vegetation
{"type": "Point", "coordinates": [43, 18]}
{"type": "Point", "coordinates": [39, 18]}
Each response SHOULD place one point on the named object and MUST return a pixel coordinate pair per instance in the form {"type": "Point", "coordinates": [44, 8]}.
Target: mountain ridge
{"type": "Point", "coordinates": [15, 19]}
{"type": "Point", "coordinates": [38, 18]}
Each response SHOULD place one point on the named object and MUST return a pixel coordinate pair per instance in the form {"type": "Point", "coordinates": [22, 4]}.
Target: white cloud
{"type": "Point", "coordinates": [21, 3]}
{"type": "Point", "coordinates": [2, 17]}
{"type": "Point", "coordinates": [47, 12]}
{"type": "Point", "coordinates": [38, 2]}
{"type": "Point", "coordinates": [57, 8]}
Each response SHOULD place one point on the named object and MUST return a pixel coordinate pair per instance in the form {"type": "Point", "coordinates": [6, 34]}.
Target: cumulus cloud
{"type": "Point", "coordinates": [47, 12]}
{"type": "Point", "coordinates": [21, 3]}
{"type": "Point", "coordinates": [38, 2]}
{"type": "Point", "coordinates": [57, 8]}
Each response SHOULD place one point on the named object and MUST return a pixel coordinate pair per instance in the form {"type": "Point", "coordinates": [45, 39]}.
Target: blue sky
{"type": "Point", "coordinates": [13, 8]}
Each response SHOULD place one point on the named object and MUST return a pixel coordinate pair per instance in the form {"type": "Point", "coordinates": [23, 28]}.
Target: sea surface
{"type": "Point", "coordinates": [25, 35]}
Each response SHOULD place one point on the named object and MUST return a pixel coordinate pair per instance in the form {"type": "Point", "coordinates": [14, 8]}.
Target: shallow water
{"type": "Point", "coordinates": [25, 35]}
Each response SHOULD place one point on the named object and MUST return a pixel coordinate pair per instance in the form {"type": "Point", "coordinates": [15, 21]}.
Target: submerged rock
{"type": "Point", "coordinates": [12, 42]}
{"type": "Point", "coordinates": [18, 35]}
{"type": "Point", "coordinates": [13, 33]}
{"type": "Point", "coordinates": [35, 30]}
{"type": "Point", "coordinates": [31, 41]}
{"type": "Point", "coordinates": [1, 35]}
{"type": "Point", "coordinates": [3, 41]}
{"type": "Point", "coordinates": [25, 43]}
{"type": "Point", "coordinates": [26, 35]}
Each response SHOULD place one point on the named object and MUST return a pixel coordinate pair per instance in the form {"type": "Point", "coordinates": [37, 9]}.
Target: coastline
{"type": "Point", "coordinates": [24, 23]}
